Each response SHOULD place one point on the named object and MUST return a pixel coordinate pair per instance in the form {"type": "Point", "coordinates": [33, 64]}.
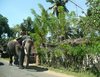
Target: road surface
{"type": "Point", "coordinates": [33, 71]}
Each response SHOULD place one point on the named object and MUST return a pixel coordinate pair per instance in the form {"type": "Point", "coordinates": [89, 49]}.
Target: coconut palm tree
{"type": "Point", "coordinates": [4, 27]}
{"type": "Point", "coordinates": [40, 24]}
{"type": "Point", "coordinates": [57, 4]}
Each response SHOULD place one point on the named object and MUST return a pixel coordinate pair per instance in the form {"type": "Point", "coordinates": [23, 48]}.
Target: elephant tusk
{"type": "Point", "coordinates": [25, 51]}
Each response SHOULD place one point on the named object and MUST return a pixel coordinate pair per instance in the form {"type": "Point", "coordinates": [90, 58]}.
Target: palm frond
{"type": "Point", "coordinates": [51, 1]}
{"type": "Point", "coordinates": [41, 7]}
{"type": "Point", "coordinates": [34, 13]}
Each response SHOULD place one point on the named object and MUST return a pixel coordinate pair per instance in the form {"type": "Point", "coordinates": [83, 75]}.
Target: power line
{"type": "Point", "coordinates": [78, 6]}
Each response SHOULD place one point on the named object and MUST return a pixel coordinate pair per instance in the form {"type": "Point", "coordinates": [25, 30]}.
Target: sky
{"type": "Point", "coordinates": [17, 10]}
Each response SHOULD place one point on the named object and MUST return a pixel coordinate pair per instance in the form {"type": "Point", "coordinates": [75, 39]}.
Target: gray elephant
{"type": "Point", "coordinates": [18, 48]}
{"type": "Point", "coordinates": [27, 45]}
{"type": "Point", "coordinates": [14, 48]}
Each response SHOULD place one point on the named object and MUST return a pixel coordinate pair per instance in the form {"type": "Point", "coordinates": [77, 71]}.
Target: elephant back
{"type": "Point", "coordinates": [11, 46]}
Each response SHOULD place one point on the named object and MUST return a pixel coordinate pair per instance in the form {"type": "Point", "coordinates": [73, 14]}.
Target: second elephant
{"type": "Point", "coordinates": [27, 46]}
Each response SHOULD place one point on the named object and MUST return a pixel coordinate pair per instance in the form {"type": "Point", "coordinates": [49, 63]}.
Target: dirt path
{"type": "Point", "coordinates": [33, 71]}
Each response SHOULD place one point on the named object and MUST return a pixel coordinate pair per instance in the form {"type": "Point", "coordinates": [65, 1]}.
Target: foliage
{"type": "Point", "coordinates": [77, 74]}
{"type": "Point", "coordinates": [27, 25]}
{"type": "Point", "coordinates": [91, 22]}
{"type": "Point", "coordinates": [95, 12]}
{"type": "Point", "coordinates": [40, 24]}
{"type": "Point", "coordinates": [15, 31]}
{"type": "Point", "coordinates": [4, 27]}
{"type": "Point", "coordinates": [56, 5]}
{"type": "Point", "coordinates": [66, 55]}
{"type": "Point", "coordinates": [51, 1]}
{"type": "Point", "coordinates": [56, 52]}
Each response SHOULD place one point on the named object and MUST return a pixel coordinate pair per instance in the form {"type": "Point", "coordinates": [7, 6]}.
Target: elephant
{"type": "Point", "coordinates": [14, 48]}
{"type": "Point", "coordinates": [20, 48]}
{"type": "Point", "coordinates": [27, 45]}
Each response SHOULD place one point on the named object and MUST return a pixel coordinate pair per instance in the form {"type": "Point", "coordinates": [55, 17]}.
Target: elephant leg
{"type": "Point", "coordinates": [21, 59]}
{"type": "Point", "coordinates": [16, 60]}
{"type": "Point", "coordinates": [10, 55]}
{"type": "Point", "coordinates": [27, 60]}
{"type": "Point", "coordinates": [28, 55]}
{"type": "Point", "coordinates": [11, 60]}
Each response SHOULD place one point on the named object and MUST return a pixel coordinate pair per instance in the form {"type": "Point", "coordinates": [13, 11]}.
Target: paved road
{"type": "Point", "coordinates": [33, 71]}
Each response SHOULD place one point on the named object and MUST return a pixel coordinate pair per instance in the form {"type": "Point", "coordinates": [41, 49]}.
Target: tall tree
{"type": "Point", "coordinates": [91, 22]}
{"type": "Point", "coordinates": [56, 5]}
{"type": "Point", "coordinates": [4, 27]}
{"type": "Point", "coordinates": [26, 26]}
{"type": "Point", "coordinates": [40, 25]}
{"type": "Point", "coordinates": [94, 12]}
{"type": "Point", "coordinates": [16, 31]}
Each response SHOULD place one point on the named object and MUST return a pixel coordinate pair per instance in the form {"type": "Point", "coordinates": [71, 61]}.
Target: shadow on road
{"type": "Point", "coordinates": [38, 69]}
{"type": "Point", "coordinates": [1, 63]}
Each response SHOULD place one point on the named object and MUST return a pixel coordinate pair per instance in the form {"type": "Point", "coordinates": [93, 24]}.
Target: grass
{"type": "Point", "coordinates": [5, 59]}
{"type": "Point", "coordinates": [71, 72]}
